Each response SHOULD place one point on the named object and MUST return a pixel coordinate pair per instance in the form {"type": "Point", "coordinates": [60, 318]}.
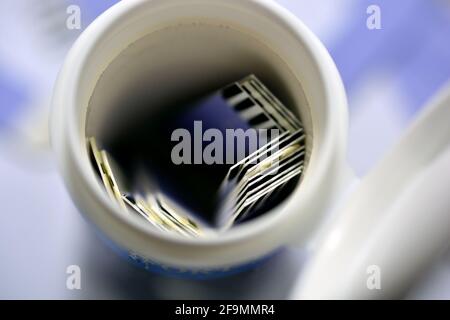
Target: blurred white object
{"type": "Point", "coordinates": [397, 221]}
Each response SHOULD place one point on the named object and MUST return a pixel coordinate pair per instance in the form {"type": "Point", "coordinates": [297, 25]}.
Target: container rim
{"type": "Point", "coordinates": [126, 230]}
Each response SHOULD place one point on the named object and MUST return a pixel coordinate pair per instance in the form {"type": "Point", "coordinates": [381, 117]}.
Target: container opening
{"type": "Point", "coordinates": [152, 82]}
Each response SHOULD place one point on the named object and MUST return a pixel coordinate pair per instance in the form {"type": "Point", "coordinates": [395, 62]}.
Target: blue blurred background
{"type": "Point", "coordinates": [388, 73]}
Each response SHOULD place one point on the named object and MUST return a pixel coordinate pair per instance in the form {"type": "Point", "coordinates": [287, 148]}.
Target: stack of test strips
{"type": "Point", "coordinates": [154, 208]}
{"type": "Point", "coordinates": [253, 183]}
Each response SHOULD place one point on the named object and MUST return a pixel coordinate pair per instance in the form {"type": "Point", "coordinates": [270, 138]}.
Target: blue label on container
{"type": "Point", "coordinates": [159, 268]}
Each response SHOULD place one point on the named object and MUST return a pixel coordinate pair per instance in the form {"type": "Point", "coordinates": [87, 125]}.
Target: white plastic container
{"type": "Point", "coordinates": [162, 47]}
